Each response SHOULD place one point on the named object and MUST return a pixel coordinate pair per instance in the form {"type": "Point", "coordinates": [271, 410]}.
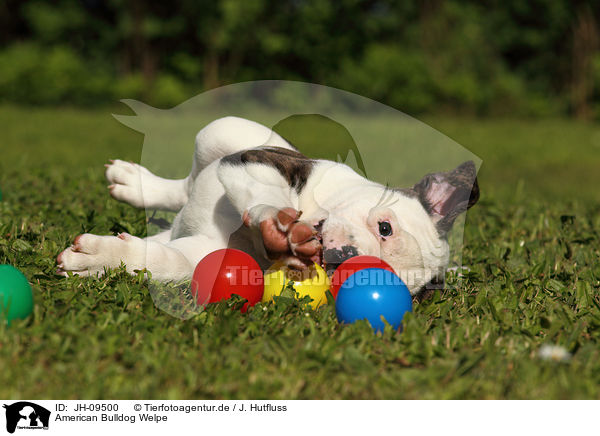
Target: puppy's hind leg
{"type": "Point", "coordinates": [135, 185]}
{"type": "Point", "coordinates": [229, 135]}
{"type": "Point", "coordinates": [91, 254]}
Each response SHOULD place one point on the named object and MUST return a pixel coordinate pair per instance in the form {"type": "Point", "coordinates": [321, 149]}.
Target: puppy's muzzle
{"type": "Point", "coordinates": [333, 257]}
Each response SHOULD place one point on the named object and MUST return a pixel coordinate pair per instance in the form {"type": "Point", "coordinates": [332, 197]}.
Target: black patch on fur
{"type": "Point", "coordinates": [333, 257]}
{"type": "Point", "coordinates": [292, 165]}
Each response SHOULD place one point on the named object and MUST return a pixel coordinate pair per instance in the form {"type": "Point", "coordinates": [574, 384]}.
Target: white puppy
{"type": "Point", "coordinates": [250, 189]}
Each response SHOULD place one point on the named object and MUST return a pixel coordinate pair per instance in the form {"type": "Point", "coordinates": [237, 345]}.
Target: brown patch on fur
{"type": "Point", "coordinates": [292, 165]}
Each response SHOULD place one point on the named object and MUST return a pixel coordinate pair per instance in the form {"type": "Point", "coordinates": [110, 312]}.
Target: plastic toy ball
{"type": "Point", "coordinates": [370, 294]}
{"type": "Point", "coordinates": [226, 272]}
{"type": "Point", "coordinates": [16, 297]}
{"type": "Point", "coordinates": [350, 266]}
{"type": "Point", "coordinates": [312, 282]}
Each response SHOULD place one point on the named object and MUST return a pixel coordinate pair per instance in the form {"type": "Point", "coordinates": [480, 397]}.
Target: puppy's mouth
{"type": "Point", "coordinates": [334, 257]}
{"type": "Point", "coordinates": [331, 258]}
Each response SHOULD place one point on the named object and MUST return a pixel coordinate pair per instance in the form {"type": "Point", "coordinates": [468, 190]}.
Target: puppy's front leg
{"type": "Point", "coordinates": [282, 236]}
{"type": "Point", "coordinates": [267, 203]}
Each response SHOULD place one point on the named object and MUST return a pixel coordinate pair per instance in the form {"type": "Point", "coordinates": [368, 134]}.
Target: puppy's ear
{"type": "Point", "coordinates": [446, 195]}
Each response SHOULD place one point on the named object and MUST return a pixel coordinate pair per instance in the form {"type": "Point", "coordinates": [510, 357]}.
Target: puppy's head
{"type": "Point", "coordinates": [405, 227]}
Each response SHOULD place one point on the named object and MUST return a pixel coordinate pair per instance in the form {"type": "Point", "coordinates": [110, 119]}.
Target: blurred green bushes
{"type": "Point", "coordinates": [57, 75]}
{"type": "Point", "coordinates": [486, 58]}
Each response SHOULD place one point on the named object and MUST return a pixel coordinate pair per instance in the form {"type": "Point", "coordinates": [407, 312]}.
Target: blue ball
{"type": "Point", "coordinates": [370, 294]}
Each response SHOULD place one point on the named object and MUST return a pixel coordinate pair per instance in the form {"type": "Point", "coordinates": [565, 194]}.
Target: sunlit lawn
{"type": "Point", "coordinates": [531, 244]}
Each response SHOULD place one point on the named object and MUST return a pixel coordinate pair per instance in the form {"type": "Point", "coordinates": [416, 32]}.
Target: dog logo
{"type": "Point", "coordinates": [26, 415]}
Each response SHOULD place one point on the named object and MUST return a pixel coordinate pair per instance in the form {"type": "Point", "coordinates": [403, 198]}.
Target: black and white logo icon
{"type": "Point", "coordinates": [26, 415]}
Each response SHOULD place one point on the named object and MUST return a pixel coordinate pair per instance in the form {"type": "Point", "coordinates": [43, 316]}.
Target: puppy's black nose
{"type": "Point", "coordinates": [333, 257]}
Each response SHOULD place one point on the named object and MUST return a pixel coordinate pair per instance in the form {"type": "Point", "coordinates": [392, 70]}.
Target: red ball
{"type": "Point", "coordinates": [225, 272]}
{"type": "Point", "coordinates": [350, 266]}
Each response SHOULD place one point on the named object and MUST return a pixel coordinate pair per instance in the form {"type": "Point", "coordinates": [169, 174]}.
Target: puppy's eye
{"type": "Point", "coordinates": [385, 228]}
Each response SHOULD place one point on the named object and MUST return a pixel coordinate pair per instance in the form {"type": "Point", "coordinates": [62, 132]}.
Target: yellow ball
{"type": "Point", "coordinates": [312, 282]}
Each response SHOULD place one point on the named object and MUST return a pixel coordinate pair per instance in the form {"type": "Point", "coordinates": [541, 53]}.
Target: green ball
{"type": "Point", "coordinates": [16, 297]}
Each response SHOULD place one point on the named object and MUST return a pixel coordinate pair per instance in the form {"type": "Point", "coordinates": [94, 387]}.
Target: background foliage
{"type": "Point", "coordinates": [493, 57]}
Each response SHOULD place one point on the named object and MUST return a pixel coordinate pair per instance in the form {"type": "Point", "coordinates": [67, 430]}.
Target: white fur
{"type": "Point", "coordinates": [135, 185]}
{"type": "Point", "coordinates": [212, 199]}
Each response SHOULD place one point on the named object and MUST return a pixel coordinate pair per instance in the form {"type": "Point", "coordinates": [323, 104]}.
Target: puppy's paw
{"type": "Point", "coordinates": [284, 236]}
{"type": "Point", "coordinates": [90, 254]}
{"type": "Point", "coordinates": [304, 242]}
{"type": "Point", "coordinates": [125, 180]}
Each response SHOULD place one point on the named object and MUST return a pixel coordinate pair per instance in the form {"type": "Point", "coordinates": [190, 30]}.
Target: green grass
{"type": "Point", "coordinates": [531, 243]}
